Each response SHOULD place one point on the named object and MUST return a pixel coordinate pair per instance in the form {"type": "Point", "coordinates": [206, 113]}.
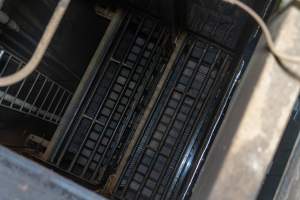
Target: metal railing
{"type": "Point", "coordinates": [37, 95]}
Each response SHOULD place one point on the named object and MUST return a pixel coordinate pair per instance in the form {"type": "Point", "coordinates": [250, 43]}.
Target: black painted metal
{"type": "Point", "coordinates": [181, 116]}
{"type": "Point", "coordinates": [182, 121]}
{"type": "Point", "coordinates": [100, 130]}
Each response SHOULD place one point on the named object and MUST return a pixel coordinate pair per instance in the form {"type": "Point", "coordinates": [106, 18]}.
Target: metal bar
{"type": "Point", "coordinates": [58, 103]}
{"type": "Point", "coordinates": [39, 93]}
{"type": "Point", "coordinates": [265, 99]}
{"type": "Point", "coordinates": [26, 105]}
{"type": "Point", "coordinates": [15, 97]}
{"type": "Point", "coordinates": [119, 62]}
{"type": "Point", "coordinates": [31, 89]}
{"type": "Point", "coordinates": [19, 90]}
{"type": "Point", "coordinates": [52, 101]}
{"type": "Point", "coordinates": [91, 118]}
{"type": "Point", "coordinates": [60, 114]}
{"type": "Point", "coordinates": [46, 97]}
{"type": "Point", "coordinates": [5, 65]}
{"type": "Point", "coordinates": [65, 104]}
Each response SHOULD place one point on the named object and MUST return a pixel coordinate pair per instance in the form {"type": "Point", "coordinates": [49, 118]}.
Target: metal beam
{"type": "Point", "coordinates": [26, 180]}
{"type": "Point", "coordinates": [255, 121]}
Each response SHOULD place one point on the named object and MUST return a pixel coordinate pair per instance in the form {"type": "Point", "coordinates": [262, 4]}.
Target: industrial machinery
{"type": "Point", "coordinates": [131, 98]}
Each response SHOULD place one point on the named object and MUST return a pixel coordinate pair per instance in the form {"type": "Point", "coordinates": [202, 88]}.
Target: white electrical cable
{"type": "Point", "coordinates": [282, 56]}
{"type": "Point", "coordinates": [41, 47]}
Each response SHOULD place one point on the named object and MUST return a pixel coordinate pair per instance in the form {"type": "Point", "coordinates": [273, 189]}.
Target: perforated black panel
{"type": "Point", "coordinates": [180, 113]}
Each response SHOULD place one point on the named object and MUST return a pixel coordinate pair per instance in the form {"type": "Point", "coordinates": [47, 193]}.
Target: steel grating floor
{"type": "Point", "coordinates": [37, 95]}
{"type": "Point", "coordinates": [172, 145]}
{"type": "Point", "coordinates": [164, 151]}
{"type": "Point", "coordinates": [98, 134]}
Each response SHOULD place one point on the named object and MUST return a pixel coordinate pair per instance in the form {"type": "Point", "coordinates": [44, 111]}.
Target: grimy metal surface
{"type": "Point", "coordinates": [96, 136]}
{"type": "Point", "coordinates": [111, 184]}
{"type": "Point", "coordinates": [37, 95]}
{"type": "Point", "coordinates": [245, 145]}
{"type": "Point", "coordinates": [83, 87]}
{"type": "Point", "coordinates": [26, 180]}
{"type": "Point", "coordinates": [170, 139]}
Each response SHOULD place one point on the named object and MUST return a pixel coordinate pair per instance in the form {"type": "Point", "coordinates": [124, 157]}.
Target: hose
{"type": "Point", "coordinates": [280, 55]}
{"type": "Point", "coordinates": [41, 47]}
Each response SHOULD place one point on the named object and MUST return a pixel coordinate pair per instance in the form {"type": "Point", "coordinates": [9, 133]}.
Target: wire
{"type": "Point", "coordinates": [41, 47]}
{"type": "Point", "coordinates": [280, 55]}
{"type": "Point", "coordinates": [287, 69]}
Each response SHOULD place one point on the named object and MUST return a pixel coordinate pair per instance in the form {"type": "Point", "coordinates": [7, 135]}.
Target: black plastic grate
{"type": "Point", "coordinates": [99, 132]}
{"type": "Point", "coordinates": [37, 95]}
{"type": "Point", "coordinates": [195, 81]}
